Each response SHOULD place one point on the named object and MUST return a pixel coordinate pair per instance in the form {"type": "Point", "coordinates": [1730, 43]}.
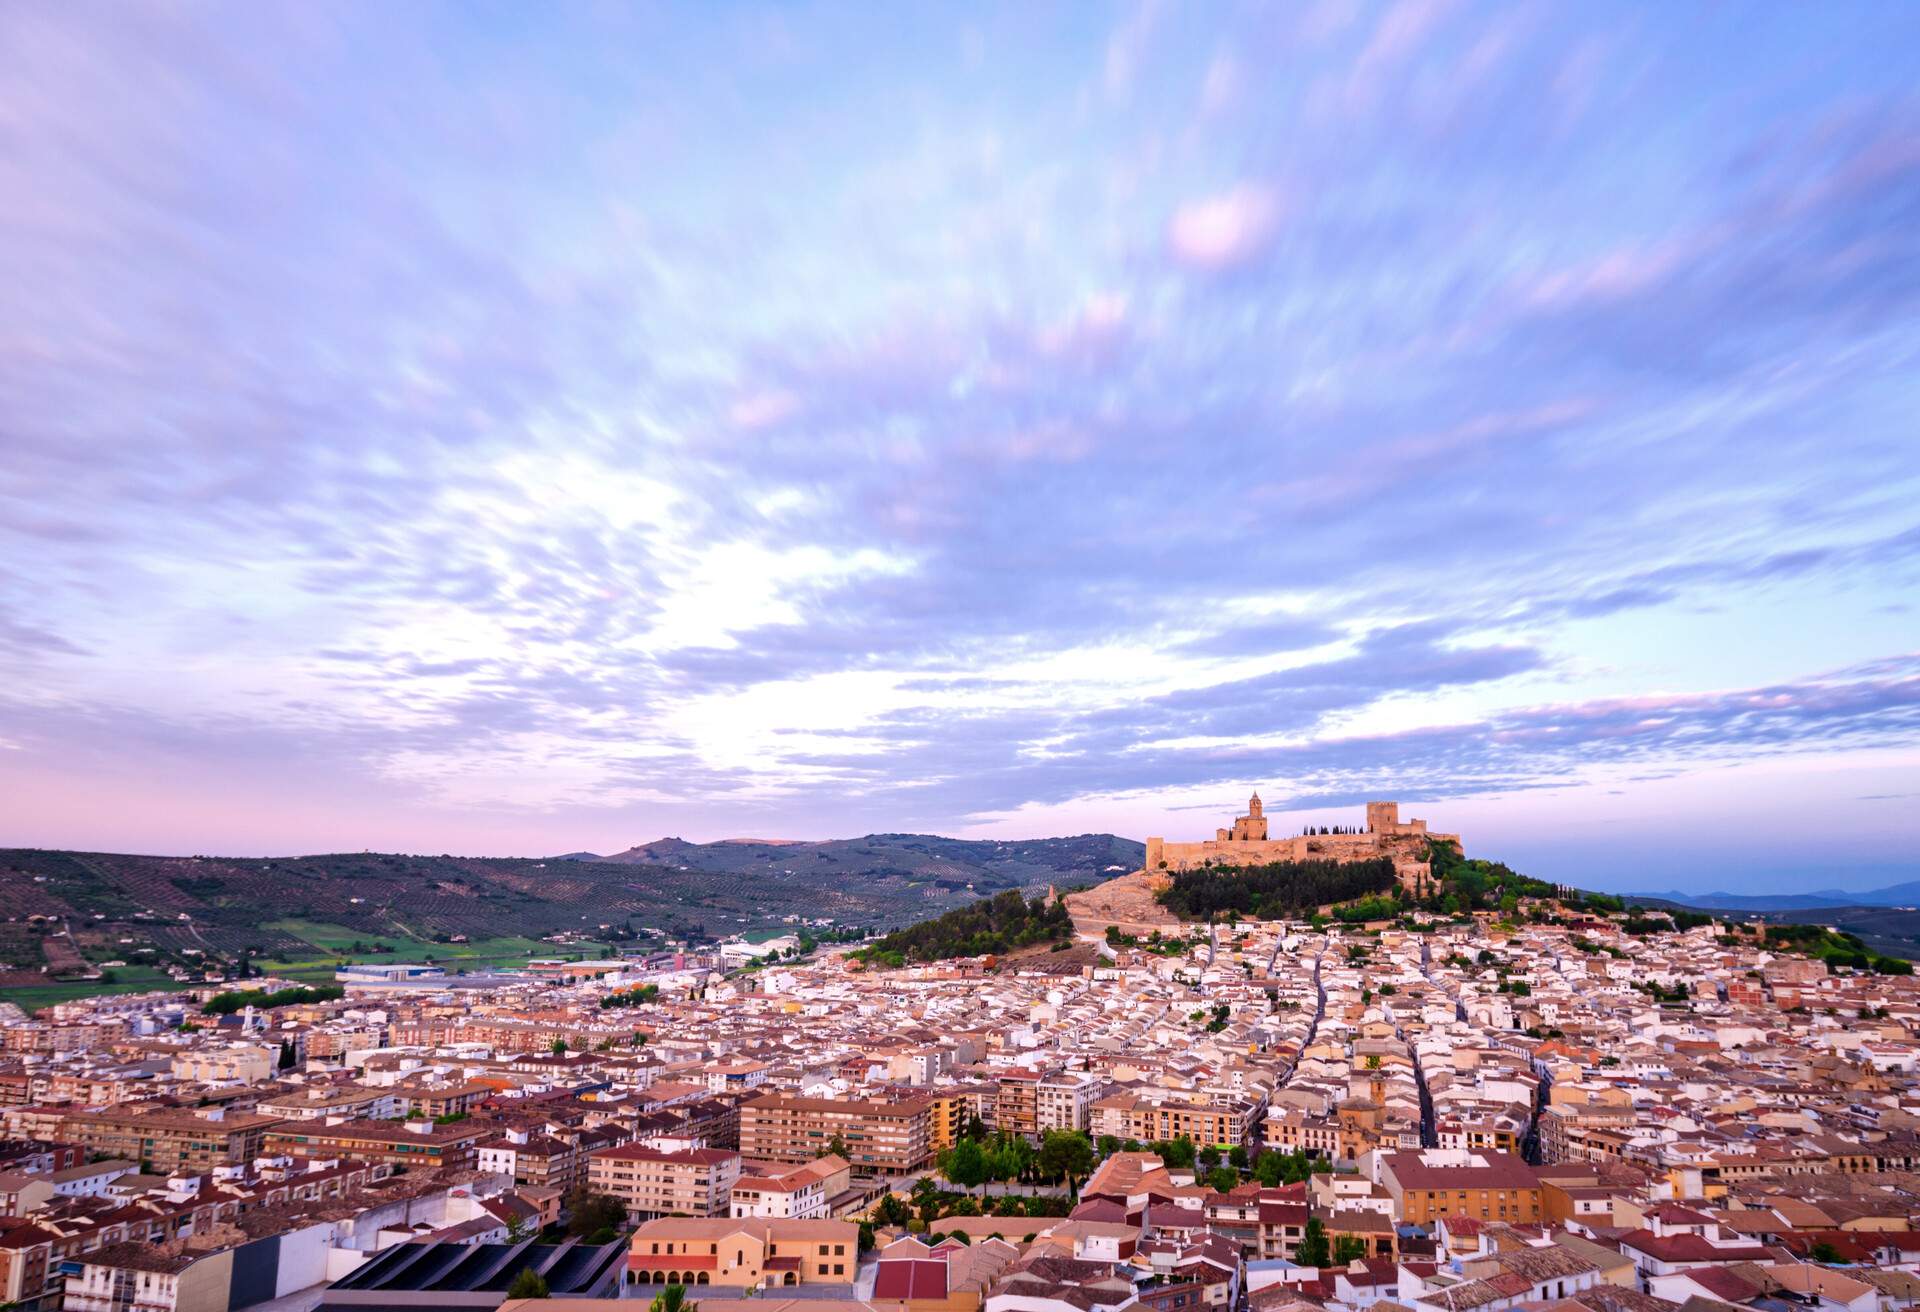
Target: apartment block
{"type": "Point", "coordinates": [419, 1144]}
{"type": "Point", "coordinates": [656, 1182]}
{"type": "Point", "coordinates": [170, 1139]}
{"type": "Point", "coordinates": [881, 1138]}
{"type": "Point", "coordinates": [1064, 1101]}
{"type": "Point", "coordinates": [1017, 1102]}
{"type": "Point", "coordinates": [1439, 1182]}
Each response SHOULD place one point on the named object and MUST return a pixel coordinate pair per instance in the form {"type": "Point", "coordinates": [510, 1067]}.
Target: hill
{"type": "Point", "coordinates": [72, 912]}
{"type": "Point", "coordinates": [1894, 895]}
{"type": "Point", "coordinates": [1001, 923]}
{"type": "Point", "coordinates": [1893, 931]}
{"type": "Point", "coordinates": [957, 865]}
{"type": "Point", "coordinates": [1144, 901]}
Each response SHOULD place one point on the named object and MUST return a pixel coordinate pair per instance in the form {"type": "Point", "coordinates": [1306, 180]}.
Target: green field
{"type": "Point", "coordinates": [338, 938]}
{"type": "Point", "coordinates": [767, 932]}
{"type": "Point", "coordinates": [127, 979]}
{"type": "Point", "coordinates": [335, 943]}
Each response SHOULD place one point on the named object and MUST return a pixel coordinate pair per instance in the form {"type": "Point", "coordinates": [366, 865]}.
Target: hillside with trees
{"type": "Point", "coordinates": [153, 918]}
{"type": "Point", "coordinates": [1273, 891]}
{"type": "Point", "coordinates": [1459, 884]}
{"type": "Point", "coordinates": [996, 924]}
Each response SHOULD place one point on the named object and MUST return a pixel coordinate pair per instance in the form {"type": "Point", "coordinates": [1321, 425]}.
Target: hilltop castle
{"type": "Point", "coordinates": [1247, 844]}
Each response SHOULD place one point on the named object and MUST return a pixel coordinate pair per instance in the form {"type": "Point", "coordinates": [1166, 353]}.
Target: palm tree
{"type": "Point", "coordinates": [673, 1299]}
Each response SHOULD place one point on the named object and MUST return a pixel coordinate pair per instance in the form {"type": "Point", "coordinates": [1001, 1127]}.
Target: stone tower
{"type": "Point", "coordinates": [1251, 827]}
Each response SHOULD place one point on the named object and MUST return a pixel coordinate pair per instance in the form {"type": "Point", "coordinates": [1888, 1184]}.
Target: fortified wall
{"type": "Point", "coordinates": [1247, 844]}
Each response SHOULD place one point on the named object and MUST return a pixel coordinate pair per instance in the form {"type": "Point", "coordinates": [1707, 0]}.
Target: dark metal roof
{"type": "Point", "coordinates": [427, 1269]}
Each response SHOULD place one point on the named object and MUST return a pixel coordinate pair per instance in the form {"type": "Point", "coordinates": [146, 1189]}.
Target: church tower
{"type": "Point", "coordinates": [1251, 827]}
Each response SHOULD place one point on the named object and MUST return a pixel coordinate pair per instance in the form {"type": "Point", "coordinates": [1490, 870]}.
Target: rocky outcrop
{"type": "Point", "coordinates": [1126, 903]}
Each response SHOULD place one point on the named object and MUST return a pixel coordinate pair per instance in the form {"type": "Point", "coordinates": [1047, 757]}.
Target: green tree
{"type": "Point", "coordinates": [1178, 1153]}
{"type": "Point", "coordinates": [226, 1004]}
{"type": "Point", "coordinates": [1312, 1249]}
{"type": "Point", "coordinates": [965, 1164]}
{"type": "Point", "coordinates": [1824, 1253]}
{"type": "Point", "coordinates": [1009, 1158]}
{"type": "Point", "coordinates": [528, 1284]}
{"type": "Point", "coordinates": [1222, 1178]}
{"type": "Point", "coordinates": [1208, 1157]}
{"type": "Point", "coordinates": [1348, 1249]}
{"type": "Point", "coordinates": [559, 1048]}
{"type": "Point", "coordinates": [1066, 1154]}
{"type": "Point", "coordinates": [589, 1212]}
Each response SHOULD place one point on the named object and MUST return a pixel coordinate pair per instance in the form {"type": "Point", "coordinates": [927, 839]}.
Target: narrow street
{"type": "Point", "coordinates": [1429, 1132]}
{"type": "Point", "coordinates": [1319, 997]}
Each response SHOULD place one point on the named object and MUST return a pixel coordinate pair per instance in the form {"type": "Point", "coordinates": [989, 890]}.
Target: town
{"type": "Point", "coordinates": [1527, 1098]}
{"type": "Point", "coordinates": [972, 657]}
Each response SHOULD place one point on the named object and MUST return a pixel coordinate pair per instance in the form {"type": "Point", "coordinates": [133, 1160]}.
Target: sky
{"type": "Point", "coordinates": [507, 429]}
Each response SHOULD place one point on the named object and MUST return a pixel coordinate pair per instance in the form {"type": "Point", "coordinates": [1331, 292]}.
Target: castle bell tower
{"type": "Point", "coordinates": [1251, 827]}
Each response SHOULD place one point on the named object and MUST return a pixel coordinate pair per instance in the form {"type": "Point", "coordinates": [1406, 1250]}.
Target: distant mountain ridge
{"type": "Point", "coordinates": [68, 908]}
{"type": "Point", "coordinates": [1894, 895]}
{"type": "Point", "coordinates": [959, 864]}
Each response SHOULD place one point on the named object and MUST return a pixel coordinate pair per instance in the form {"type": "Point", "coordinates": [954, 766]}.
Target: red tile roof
{"type": "Point", "coordinates": [910, 1278]}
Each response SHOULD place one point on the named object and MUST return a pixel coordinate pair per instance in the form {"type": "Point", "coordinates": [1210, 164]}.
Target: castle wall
{"type": "Point", "coordinates": [1184, 856]}
{"type": "Point", "coordinates": [1231, 852]}
{"type": "Point", "coordinates": [1404, 842]}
